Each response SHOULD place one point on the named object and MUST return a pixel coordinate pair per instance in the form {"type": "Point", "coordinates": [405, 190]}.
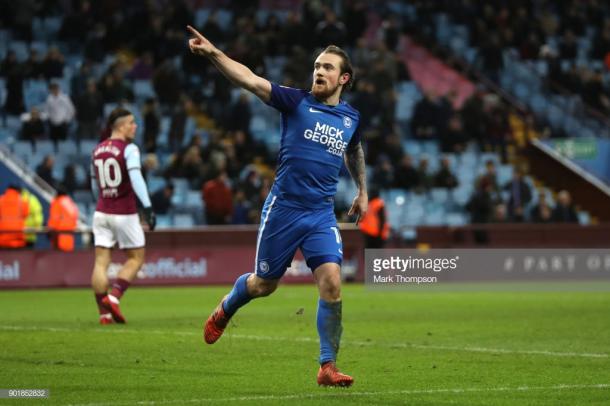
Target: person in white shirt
{"type": "Point", "coordinates": [60, 111]}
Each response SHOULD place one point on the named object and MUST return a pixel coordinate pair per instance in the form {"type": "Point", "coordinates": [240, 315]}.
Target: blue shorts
{"type": "Point", "coordinates": [283, 229]}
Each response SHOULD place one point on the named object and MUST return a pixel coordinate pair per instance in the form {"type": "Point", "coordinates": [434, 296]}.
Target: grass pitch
{"type": "Point", "coordinates": [421, 348]}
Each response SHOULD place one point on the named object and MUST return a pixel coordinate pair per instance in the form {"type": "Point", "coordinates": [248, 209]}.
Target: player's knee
{"type": "Point", "coordinates": [330, 291]}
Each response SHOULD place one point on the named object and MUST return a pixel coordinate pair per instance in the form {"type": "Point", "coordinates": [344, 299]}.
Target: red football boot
{"type": "Point", "coordinates": [106, 318]}
{"type": "Point", "coordinates": [112, 305]}
{"type": "Point", "coordinates": [329, 375]}
{"type": "Point", "coordinates": [215, 324]}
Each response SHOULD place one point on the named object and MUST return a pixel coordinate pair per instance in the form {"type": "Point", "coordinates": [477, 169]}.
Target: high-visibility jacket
{"type": "Point", "coordinates": [63, 216]}
{"type": "Point", "coordinates": [35, 217]}
{"type": "Point", "coordinates": [370, 223]}
{"type": "Point", "coordinates": [13, 212]}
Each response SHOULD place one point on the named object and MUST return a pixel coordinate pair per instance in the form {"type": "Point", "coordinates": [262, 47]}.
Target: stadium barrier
{"type": "Point", "coordinates": [516, 236]}
{"type": "Point", "coordinates": [202, 256]}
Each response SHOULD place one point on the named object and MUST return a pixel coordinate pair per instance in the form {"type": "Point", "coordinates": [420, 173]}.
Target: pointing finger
{"type": "Point", "coordinates": [195, 32]}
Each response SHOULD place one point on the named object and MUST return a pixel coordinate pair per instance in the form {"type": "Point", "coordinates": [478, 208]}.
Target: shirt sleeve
{"type": "Point", "coordinates": [139, 186]}
{"type": "Point", "coordinates": [355, 140]}
{"type": "Point", "coordinates": [132, 157]}
{"type": "Point", "coordinates": [285, 98]}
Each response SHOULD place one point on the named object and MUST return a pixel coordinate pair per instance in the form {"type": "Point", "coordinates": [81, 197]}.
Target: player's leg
{"type": "Point", "coordinates": [104, 241]}
{"type": "Point", "coordinates": [135, 260]}
{"type": "Point", "coordinates": [328, 279]}
{"type": "Point", "coordinates": [323, 251]}
{"type": "Point", "coordinates": [99, 282]}
{"type": "Point", "coordinates": [275, 247]}
{"type": "Point", "coordinates": [130, 237]}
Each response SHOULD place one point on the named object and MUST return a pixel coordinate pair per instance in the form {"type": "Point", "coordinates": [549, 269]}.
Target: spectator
{"type": "Point", "coordinates": [89, 111]}
{"type": "Point", "coordinates": [152, 125]}
{"type": "Point", "coordinates": [499, 214]}
{"type": "Point", "coordinates": [14, 210]}
{"type": "Point", "coordinates": [453, 139]}
{"type": "Point", "coordinates": [444, 177]}
{"type": "Point", "coordinates": [35, 218]}
{"type": "Point", "coordinates": [45, 170]}
{"type": "Point", "coordinates": [143, 68]}
{"type": "Point", "coordinates": [161, 200]}
{"type": "Point", "coordinates": [564, 211]}
{"type": "Point", "coordinates": [61, 112]}
{"type": "Point", "coordinates": [481, 204]}
{"type": "Point", "coordinates": [33, 128]}
{"type": "Point", "coordinates": [239, 114]}
{"type": "Point", "coordinates": [330, 31]}
{"type": "Point", "coordinates": [490, 177]}
{"type": "Point", "coordinates": [12, 70]}
{"type": "Point", "coordinates": [542, 212]}
{"type": "Point", "coordinates": [241, 208]}
{"type": "Point", "coordinates": [218, 200]}
{"type": "Point", "coordinates": [63, 220]}
{"type": "Point", "coordinates": [519, 196]}
{"type": "Point", "coordinates": [425, 179]}
{"type": "Point", "coordinates": [383, 175]}
{"type": "Point", "coordinates": [70, 180]}
{"type": "Point", "coordinates": [53, 65]}
{"type": "Point", "coordinates": [405, 175]}
{"type": "Point", "coordinates": [374, 224]}
{"type": "Point", "coordinates": [33, 68]}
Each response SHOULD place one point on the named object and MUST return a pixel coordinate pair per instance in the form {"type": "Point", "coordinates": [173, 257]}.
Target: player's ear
{"type": "Point", "coordinates": [344, 78]}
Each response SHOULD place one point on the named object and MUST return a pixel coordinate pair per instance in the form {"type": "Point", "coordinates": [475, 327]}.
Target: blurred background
{"type": "Point", "coordinates": [473, 113]}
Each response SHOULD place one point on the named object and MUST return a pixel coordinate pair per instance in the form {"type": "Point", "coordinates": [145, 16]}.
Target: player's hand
{"type": "Point", "coordinates": [359, 205]}
{"type": "Point", "coordinates": [150, 218]}
{"type": "Point", "coordinates": [199, 44]}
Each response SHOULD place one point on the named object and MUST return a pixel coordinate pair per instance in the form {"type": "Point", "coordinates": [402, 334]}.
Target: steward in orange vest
{"type": "Point", "coordinates": [63, 216]}
{"type": "Point", "coordinates": [14, 209]}
{"type": "Point", "coordinates": [374, 223]}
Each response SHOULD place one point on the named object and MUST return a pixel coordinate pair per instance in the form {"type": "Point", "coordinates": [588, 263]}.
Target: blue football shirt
{"type": "Point", "coordinates": [313, 141]}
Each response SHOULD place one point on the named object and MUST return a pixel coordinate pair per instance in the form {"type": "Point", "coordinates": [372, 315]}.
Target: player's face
{"type": "Point", "coordinates": [327, 78]}
{"type": "Point", "coordinates": [130, 127]}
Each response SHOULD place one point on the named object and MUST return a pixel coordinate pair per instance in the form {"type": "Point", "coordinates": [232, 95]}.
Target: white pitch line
{"type": "Point", "coordinates": [341, 392]}
{"type": "Point", "coordinates": [315, 340]}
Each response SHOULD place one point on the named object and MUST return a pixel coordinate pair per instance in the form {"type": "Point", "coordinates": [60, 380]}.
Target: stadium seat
{"type": "Point", "coordinates": [23, 150]}
{"type": "Point", "coordinates": [164, 221]}
{"type": "Point", "coordinates": [183, 221]}
{"type": "Point", "coordinates": [44, 147]}
{"type": "Point", "coordinates": [67, 148]}
{"type": "Point", "coordinates": [143, 89]}
{"type": "Point", "coordinates": [86, 147]}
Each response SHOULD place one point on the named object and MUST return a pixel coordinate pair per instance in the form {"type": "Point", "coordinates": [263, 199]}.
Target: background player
{"type": "Point", "coordinates": [116, 169]}
{"type": "Point", "coordinates": [319, 130]}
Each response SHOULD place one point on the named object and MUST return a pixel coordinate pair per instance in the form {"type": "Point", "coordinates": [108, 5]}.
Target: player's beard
{"type": "Point", "coordinates": [323, 92]}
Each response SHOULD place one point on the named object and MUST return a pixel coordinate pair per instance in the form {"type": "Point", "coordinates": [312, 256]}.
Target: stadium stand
{"type": "Point", "coordinates": [204, 125]}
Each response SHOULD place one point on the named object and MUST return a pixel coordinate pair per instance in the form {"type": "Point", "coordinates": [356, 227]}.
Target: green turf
{"type": "Point", "coordinates": [423, 348]}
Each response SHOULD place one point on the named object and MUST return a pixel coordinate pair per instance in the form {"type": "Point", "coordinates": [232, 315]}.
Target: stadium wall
{"type": "Point", "coordinates": [206, 256]}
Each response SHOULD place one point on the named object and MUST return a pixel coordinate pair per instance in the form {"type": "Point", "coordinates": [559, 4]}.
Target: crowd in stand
{"type": "Point", "coordinates": [538, 30]}
{"type": "Point", "coordinates": [233, 170]}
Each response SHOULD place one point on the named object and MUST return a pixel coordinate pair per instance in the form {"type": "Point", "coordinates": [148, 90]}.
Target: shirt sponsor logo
{"type": "Point", "coordinates": [328, 136]}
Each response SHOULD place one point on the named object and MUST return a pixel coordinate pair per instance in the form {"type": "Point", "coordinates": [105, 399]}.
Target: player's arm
{"type": "Point", "coordinates": [236, 72]}
{"type": "Point", "coordinates": [132, 158]}
{"type": "Point", "coordinates": [354, 160]}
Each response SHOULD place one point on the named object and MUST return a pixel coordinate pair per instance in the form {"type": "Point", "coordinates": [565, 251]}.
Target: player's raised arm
{"type": "Point", "coordinates": [236, 72]}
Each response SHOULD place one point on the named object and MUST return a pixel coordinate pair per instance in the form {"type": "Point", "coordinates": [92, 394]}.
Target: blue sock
{"type": "Point", "coordinates": [238, 296]}
{"type": "Point", "coordinates": [329, 330]}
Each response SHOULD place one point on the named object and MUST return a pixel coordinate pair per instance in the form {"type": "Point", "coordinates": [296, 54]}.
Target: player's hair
{"type": "Point", "coordinates": [115, 115]}
{"type": "Point", "coordinates": [346, 64]}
